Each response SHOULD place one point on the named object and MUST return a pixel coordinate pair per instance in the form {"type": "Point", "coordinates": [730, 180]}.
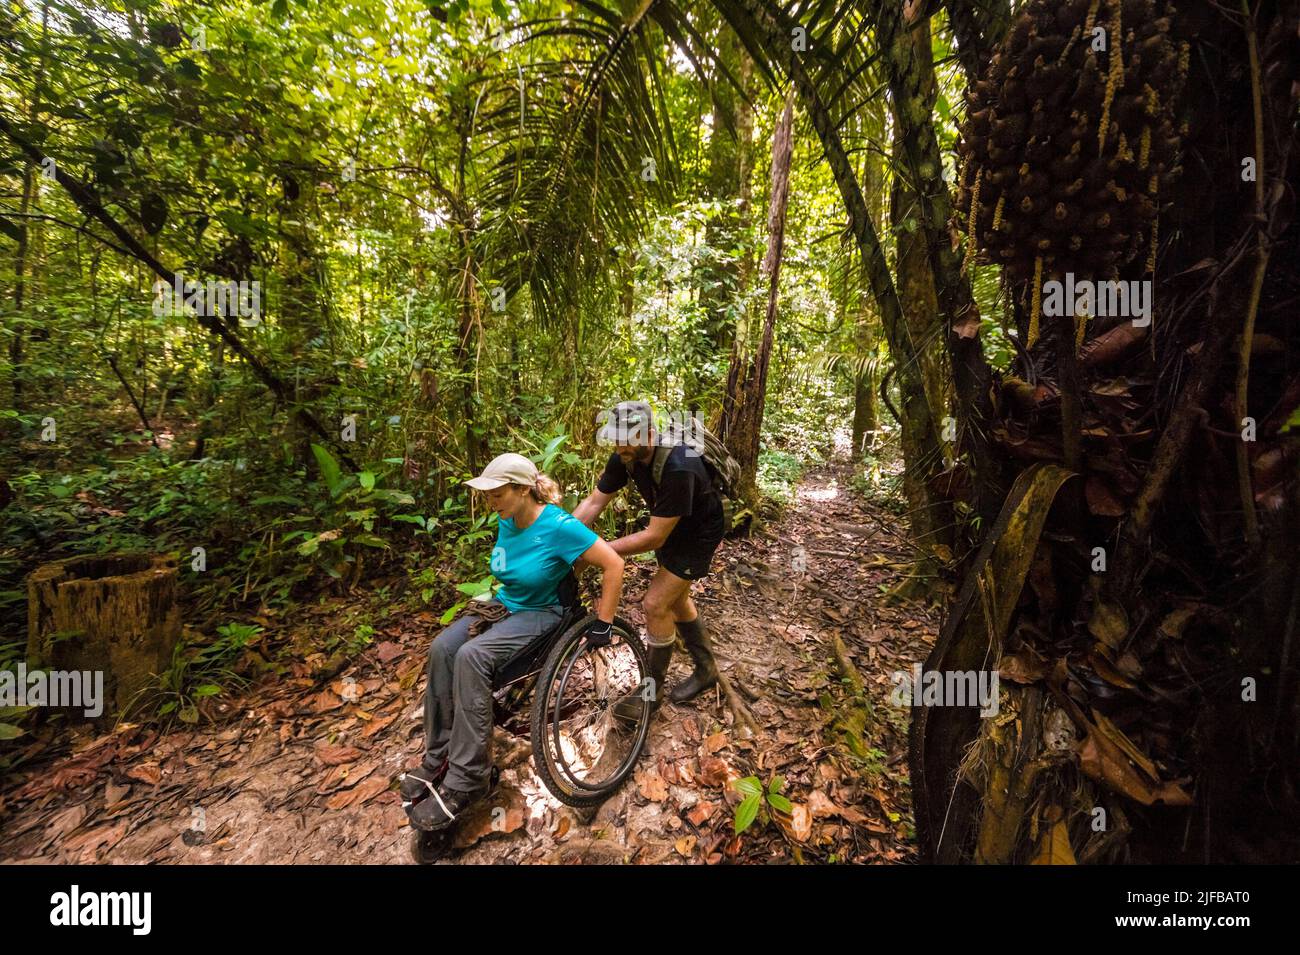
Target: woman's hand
{"type": "Point", "coordinates": [601, 555]}
{"type": "Point", "coordinates": [600, 633]}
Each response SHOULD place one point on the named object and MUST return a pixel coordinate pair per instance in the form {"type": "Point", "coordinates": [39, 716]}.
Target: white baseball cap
{"type": "Point", "coordinates": [505, 469]}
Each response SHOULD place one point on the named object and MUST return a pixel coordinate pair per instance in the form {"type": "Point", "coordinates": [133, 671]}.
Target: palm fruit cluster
{"type": "Point", "coordinates": [1070, 139]}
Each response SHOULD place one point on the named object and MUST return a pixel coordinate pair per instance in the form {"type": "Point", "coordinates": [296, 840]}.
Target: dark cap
{"type": "Point", "coordinates": [627, 423]}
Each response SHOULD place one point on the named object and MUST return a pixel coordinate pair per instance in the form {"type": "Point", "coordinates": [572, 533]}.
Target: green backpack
{"type": "Point", "coordinates": [723, 469]}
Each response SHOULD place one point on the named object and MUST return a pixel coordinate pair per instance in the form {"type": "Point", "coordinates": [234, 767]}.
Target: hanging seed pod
{"type": "Point", "coordinates": [1066, 140]}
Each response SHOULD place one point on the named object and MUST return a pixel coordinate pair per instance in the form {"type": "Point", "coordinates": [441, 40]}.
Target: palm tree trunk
{"type": "Point", "coordinates": [910, 71]}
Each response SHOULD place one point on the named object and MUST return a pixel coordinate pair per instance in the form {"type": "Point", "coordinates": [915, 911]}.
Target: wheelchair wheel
{"type": "Point", "coordinates": [582, 751]}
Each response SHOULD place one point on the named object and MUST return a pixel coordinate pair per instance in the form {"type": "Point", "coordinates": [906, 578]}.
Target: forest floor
{"type": "Point", "coordinates": [304, 769]}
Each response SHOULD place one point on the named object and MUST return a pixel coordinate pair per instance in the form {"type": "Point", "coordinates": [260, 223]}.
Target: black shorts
{"type": "Point", "coordinates": [689, 559]}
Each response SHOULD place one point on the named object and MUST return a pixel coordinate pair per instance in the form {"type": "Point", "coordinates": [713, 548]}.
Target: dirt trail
{"type": "Point", "coordinates": [302, 773]}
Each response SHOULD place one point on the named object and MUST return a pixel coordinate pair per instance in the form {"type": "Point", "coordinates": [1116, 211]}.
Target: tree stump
{"type": "Point", "coordinates": [116, 614]}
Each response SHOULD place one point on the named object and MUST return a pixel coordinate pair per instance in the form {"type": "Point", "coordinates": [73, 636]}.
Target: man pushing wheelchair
{"type": "Point", "coordinates": [683, 474]}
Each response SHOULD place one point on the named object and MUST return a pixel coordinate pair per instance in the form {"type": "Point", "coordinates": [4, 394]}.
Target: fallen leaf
{"type": "Point", "coordinates": [797, 823]}
{"type": "Point", "coordinates": [146, 773]}
{"type": "Point", "coordinates": [87, 845]}
{"type": "Point", "coordinates": [347, 689]}
{"type": "Point", "coordinates": [685, 846]}
{"type": "Point", "coordinates": [336, 755]}
{"type": "Point", "coordinates": [66, 822]}
{"type": "Point", "coordinates": [360, 794]}
{"type": "Point", "coordinates": [1103, 757]}
{"type": "Point", "coordinates": [702, 813]}
{"type": "Point", "coordinates": [820, 805]}
{"type": "Point", "coordinates": [714, 743]}
{"type": "Point", "coordinates": [324, 701]}
{"type": "Point", "coordinates": [376, 725]}
{"type": "Point", "coordinates": [713, 772]}
{"type": "Point", "coordinates": [388, 651]}
{"type": "Point", "coordinates": [1054, 847]}
{"type": "Point", "coordinates": [505, 812]}
{"type": "Point", "coordinates": [651, 785]}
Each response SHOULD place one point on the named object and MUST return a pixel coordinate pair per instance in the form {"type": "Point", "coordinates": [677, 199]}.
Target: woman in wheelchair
{"type": "Point", "coordinates": [537, 544]}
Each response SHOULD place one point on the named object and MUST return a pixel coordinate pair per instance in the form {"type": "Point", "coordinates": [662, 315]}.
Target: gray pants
{"type": "Point", "coordinates": [458, 695]}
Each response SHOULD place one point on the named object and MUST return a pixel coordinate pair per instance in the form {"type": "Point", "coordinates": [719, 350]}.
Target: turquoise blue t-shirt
{"type": "Point", "coordinates": [530, 563]}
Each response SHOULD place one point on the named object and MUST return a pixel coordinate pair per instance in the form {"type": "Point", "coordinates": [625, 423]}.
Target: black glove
{"type": "Point", "coordinates": [599, 634]}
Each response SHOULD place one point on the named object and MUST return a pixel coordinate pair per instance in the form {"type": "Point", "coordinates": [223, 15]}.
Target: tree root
{"type": "Point", "coordinates": [852, 720]}
{"type": "Point", "coordinates": [740, 711]}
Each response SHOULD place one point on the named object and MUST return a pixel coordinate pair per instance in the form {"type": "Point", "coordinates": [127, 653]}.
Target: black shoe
{"type": "Point", "coordinates": [443, 807]}
{"type": "Point", "coordinates": [428, 847]}
{"type": "Point", "coordinates": [628, 709]}
{"type": "Point", "coordinates": [698, 646]}
{"type": "Point", "coordinates": [422, 780]}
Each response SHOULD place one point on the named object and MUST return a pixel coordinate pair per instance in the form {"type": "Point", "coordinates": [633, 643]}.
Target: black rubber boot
{"type": "Point", "coordinates": [698, 646]}
{"type": "Point", "coordinates": [629, 708]}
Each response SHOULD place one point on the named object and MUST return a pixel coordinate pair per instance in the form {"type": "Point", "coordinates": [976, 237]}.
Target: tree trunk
{"type": "Point", "coordinates": [752, 18]}
{"type": "Point", "coordinates": [16, 357]}
{"type": "Point", "coordinates": [910, 68]}
{"type": "Point", "coordinates": [921, 384]}
{"type": "Point", "coordinates": [747, 379]}
{"type": "Point", "coordinates": [470, 308]}
{"type": "Point", "coordinates": [730, 162]}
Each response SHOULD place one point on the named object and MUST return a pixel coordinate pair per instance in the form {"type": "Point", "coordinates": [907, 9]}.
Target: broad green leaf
{"type": "Point", "coordinates": [747, 812]}
{"type": "Point", "coordinates": [329, 469]}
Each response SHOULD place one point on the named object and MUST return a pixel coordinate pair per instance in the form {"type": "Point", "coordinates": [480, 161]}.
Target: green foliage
{"type": "Point", "coordinates": [778, 475]}
{"type": "Point", "coordinates": [757, 801]}
{"type": "Point", "coordinates": [12, 718]}
{"type": "Point", "coordinates": [383, 173]}
{"type": "Point", "coordinates": [196, 673]}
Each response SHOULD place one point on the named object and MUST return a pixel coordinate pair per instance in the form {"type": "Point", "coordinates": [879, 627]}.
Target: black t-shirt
{"type": "Point", "coordinates": [684, 491]}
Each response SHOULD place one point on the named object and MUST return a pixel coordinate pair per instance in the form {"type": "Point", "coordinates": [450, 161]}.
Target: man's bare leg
{"type": "Point", "coordinates": [661, 604]}
{"type": "Point", "coordinates": [684, 610]}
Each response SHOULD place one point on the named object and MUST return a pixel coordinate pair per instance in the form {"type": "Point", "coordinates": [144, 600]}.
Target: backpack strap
{"type": "Point", "coordinates": [658, 463]}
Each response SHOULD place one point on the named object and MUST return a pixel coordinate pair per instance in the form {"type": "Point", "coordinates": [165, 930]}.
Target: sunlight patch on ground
{"type": "Point", "coordinates": [828, 493]}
